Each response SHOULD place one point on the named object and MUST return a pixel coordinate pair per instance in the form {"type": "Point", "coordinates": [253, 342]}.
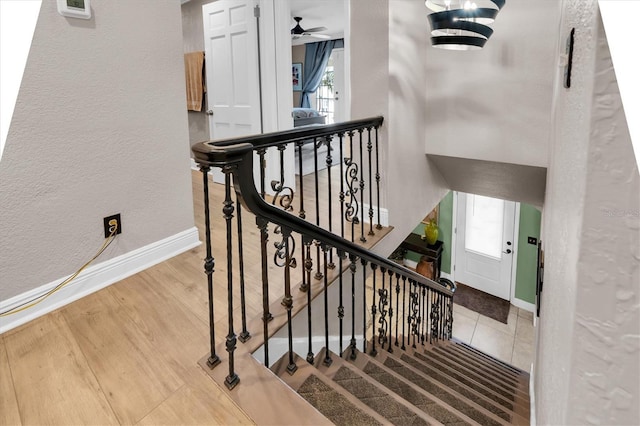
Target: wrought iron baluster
{"type": "Point", "coordinates": [341, 256]}
{"type": "Point", "coordinates": [435, 316]}
{"type": "Point", "coordinates": [288, 300]}
{"type": "Point", "coordinates": [308, 267]}
{"type": "Point", "coordinates": [353, 268]}
{"type": "Point", "coordinates": [327, 357]}
{"type": "Point", "coordinates": [404, 309]}
{"type": "Point", "coordinates": [369, 149]}
{"type": "Point", "coordinates": [423, 315]}
{"type": "Point", "coordinates": [244, 334]}
{"type": "Point", "coordinates": [301, 213]}
{"type": "Point", "coordinates": [232, 379]}
{"type": "Point", "coordinates": [362, 237]}
{"type": "Point", "coordinates": [342, 179]}
{"type": "Point", "coordinates": [382, 303]}
{"type": "Point", "coordinates": [443, 317]}
{"type": "Point", "coordinates": [318, 275]}
{"type": "Point", "coordinates": [373, 352]}
{"type": "Point", "coordinates": [389, 347]}
{"type": "Point", "coordinates": [364, 306]}
{"type": "Point", "coordinates": [450, 322]}
{"type": "Point", "coordinates": [397, 305]}
{"type": "Point", "coordinates": [266, 315]}
{"type": "Point", "coordinates": [209, 266]}
{"type": "Point", "coordinates": [379, 225]}
{"type": "Point", "coordinates": [329, 161]}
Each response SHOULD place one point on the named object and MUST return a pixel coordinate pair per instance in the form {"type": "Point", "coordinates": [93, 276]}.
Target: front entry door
{"type": "Point", "coordinates": [484, 243]}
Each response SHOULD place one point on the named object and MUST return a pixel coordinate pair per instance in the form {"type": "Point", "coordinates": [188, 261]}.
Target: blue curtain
{"type": "Point", "coordinates": [315, 61]}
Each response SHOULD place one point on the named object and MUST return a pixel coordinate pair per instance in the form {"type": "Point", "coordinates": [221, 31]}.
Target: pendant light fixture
{"type": "Point", "coordinates": [462, 24]}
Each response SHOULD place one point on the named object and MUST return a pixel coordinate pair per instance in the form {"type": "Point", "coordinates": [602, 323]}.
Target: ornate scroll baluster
{"type": "Point", "coordinates": [369, 149]}
{"type": "Point", "coordinates": [415, 300]}
{"type": "Point", "coordinates": [435, 317]}
{"type": "Point", "coordinates": [232, 379]}
{"type": "Point", "coordinates": [342, 179]}
{"type": "Point", "coordinates": [383, 329]}
{"type": "Point", "coordinates": [362, 237]}
{"type": "Point", "coordinates": [373, 351]}
{"type": "Point", "coordinates": [283, 193]}
{"type": "Point", "coordinates": [353, 268]}
{"type": "Point", "coordinates": [424, 316]}
{"type": "Point", "coordinates": [266, 315]}
{"type": "Point", "coordinates": [450, 319]}
{"type": "Point", "coordinates": [308, 267]}
{"type": "Point", "coordinates": [351, 177]}
{"type": "Point", "coordinates": [379, 225]}
{"type": "Point", "coordinates": [209, 266]}
{"type": "Point", "coordinates": [318, 275]}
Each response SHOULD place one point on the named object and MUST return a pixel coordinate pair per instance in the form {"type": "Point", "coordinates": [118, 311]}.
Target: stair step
{"type": "Point", "coordinates": [442, 392]}
{"type": "Point", "coordinates": [462, 368]}
{"type": "Point", "coordinates": [389, 405]}
{"type": "Point", "coordinates": [324, 395]}
{"type": "Point", "coordinates": [503, 366]}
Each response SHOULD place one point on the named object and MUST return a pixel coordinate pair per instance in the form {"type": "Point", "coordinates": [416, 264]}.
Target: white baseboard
{"type": "Point", "coordinates": [523, 305]}
{"type": "Point", "coordinates": [447, 276]}
{"type": "Point", "coordinates": [97, 277]}
{"type": "Point", "coordinates": [409, 263]}
{"type": "Point", "coordinates": [532, 397]}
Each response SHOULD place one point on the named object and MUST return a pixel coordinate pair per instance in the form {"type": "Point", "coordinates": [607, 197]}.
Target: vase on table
{"type": "Point", "coordinates": [431, 232]}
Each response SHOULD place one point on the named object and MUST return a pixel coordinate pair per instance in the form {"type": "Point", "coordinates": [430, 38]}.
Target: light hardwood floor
{"type": "Point", "coordinates": [128, 354]}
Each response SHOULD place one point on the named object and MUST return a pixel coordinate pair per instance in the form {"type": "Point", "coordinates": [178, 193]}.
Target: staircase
{"type": "Point", "coordinates": [449, 383]}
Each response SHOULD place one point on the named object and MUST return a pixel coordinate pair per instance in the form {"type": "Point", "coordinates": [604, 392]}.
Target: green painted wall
{"type": "Point", "coordinates": [530, 219]}
{"type": "Point", "coordinates": [444, 233]}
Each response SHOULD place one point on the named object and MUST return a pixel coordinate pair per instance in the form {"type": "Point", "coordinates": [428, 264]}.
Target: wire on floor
{"type": "Point", "coordinates": [36, 300]}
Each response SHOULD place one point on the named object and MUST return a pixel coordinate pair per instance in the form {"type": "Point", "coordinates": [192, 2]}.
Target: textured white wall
{"type": "Point", "coordinates": [605, 378]}
{"type": "Point", "coordinates": [587, 354]}
{"type": "Point", "coordinates": [100, 127]}
{"type": "Point", "coordinates": [494, 104]}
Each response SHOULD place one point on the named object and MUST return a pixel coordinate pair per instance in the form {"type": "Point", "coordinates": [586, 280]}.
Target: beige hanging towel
{"type": "Point", "coordinates": [193, 70]}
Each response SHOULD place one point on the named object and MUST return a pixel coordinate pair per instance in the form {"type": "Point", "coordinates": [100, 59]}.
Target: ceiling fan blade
{"type": "Point", "coordinates": [315, 30]}
{"type": "Point", "coordinates": [322, 36]}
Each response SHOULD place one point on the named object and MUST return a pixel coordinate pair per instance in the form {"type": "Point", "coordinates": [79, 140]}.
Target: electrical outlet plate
{"type": "Point", "coordinates": [532, 240]}
{"type": "Point", "coordinates": [116, 217]}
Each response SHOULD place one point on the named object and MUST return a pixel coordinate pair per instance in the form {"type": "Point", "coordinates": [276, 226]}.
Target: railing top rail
{"type": "Point", "coordinates": [238, 153]}
{"type": "Point", "coordinates": [209, 152]}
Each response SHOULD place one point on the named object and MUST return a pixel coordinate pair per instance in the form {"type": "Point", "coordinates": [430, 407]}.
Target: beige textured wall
{"type": "Point", "coordinates": [99, 128]}
{"type": "Point", "coordinates": [587, 355]}
{"type": "Point", "coordinates": [193, 40]}
{"type": "Point", "coordinates": [388, 64]}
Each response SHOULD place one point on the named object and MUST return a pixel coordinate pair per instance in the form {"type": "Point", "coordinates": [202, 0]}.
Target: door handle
{"type": "Point", "coordinates": [209, 112]}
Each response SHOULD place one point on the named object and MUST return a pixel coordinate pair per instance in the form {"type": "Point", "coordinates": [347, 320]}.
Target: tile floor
{"type": "Point", "coordinates": [511, 342]}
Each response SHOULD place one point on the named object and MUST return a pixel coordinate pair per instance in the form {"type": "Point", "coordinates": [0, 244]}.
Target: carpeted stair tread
{"type": "Point", "coordinates": [507, 368]}
{"type": "Point", "coordinates": [430, 356]}
{"type": "Point", "coordinates": [376, 399]}
{"type": "Point", "coordinates": [416, 398]}
{"type": "Point", "coordinates": [462, 390]}
{"type": "Point", "coordinates": [333, 405]}
{"type": "Point", "coordinates": [441, 393]}
{"type": "Point", "coordinates": [453, 358]}
{"type": "Point", "coordinates": [485, 364]}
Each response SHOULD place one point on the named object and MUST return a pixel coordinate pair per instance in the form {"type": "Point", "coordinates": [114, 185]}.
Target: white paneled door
{"type": "Point", "coordinates": [484, 243]}
{"type": "Point", "coordinates": [231, 56]}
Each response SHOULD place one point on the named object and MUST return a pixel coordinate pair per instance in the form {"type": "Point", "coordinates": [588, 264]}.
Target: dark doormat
{"type": "Point", "coordinates": [483, 303]}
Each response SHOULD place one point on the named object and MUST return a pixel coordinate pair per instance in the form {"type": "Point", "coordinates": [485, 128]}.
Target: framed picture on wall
{"type": "Point", "coordinates": [296, 70]}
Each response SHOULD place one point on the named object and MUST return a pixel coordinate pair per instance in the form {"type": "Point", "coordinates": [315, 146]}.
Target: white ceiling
{"type": "Point", "coordinates": [319, 13]}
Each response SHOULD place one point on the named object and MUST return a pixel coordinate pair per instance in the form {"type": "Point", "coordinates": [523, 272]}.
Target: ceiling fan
{"type": "Point", "coordinates": [298, 31]}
